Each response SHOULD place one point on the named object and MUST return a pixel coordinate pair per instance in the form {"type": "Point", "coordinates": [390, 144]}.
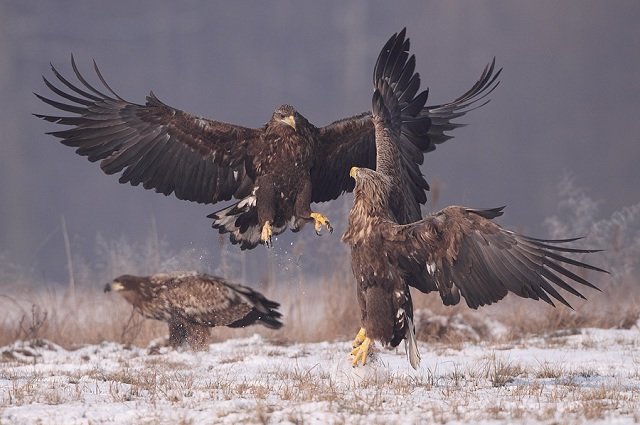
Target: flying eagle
{"type": "Point", "coordinates": [457, 251]}
{"type": "Point", "coordinates": [192, 302]}
{"type": "Point", "coordinates": [274, 172]}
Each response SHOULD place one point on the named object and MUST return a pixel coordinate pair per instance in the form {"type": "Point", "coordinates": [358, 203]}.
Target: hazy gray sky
{"type": "Point", "coordinates": [569, 101]}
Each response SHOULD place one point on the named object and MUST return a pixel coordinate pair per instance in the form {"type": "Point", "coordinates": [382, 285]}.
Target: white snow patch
{"type": "Point", "coordinates": [550, 379]}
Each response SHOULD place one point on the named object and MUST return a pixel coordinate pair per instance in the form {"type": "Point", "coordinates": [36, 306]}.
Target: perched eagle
{"type": "Point", "coordinates": [457, 251]}
{"type": "Point", "coordinates": [275, 172]}
{"type": "Point", "coordinates": [192, 302]}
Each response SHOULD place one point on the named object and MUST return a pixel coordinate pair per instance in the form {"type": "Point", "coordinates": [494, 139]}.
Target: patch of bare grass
{"type": "Point", "coordinates": [550, 371]}
{"type": "Point", "coordinates": [325, 311]}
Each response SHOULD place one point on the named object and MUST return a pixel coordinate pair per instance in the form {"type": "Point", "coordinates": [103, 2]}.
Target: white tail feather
{"type": "Point", "coordinates": [411, 345]}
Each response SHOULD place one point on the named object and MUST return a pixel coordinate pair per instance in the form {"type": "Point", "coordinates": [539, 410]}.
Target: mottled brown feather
{"type": "Point", "coordinates": [184, 299]}
{"type": "Point", "coordinates": [469, 253]}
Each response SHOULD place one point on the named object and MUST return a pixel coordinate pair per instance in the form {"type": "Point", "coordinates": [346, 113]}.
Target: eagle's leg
{"type": "Point", "coordinates": [197, 336]}
{"type": "Point", "coordinates": [178, 332]}
{"type": "Point", "coordinates": [361, 335]}
{"type": "Point", "coordinates": [266, 206]}
{"type": "Point", "coordinates": [319, 221]}
{"type": "Point", "coordinates": [302, 209]}
{"type": "Point", "coordinates": [361, 352]}
{"type": "Point", "coordinates": [265, 235]}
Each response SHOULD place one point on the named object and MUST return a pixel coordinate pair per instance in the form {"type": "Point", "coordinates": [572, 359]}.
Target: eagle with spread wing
{"type": "Point", "coordinates": [192, 302]}
{"type": "Point", "coordinates": [458, 251]}
{"type": "Point", "coordinates": [274, 172]}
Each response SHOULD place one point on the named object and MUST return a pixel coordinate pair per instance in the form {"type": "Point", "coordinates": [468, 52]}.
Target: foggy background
{"type": "Point", "coordinates": [568, 105]}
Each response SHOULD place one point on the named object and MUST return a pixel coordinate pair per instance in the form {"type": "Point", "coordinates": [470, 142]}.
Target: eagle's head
{"type": "Point", "coordinates": [123, 283]}
{"type": "Point", "coordinates": [131, 288]}
{"type": "Point", "coordinates": [372, 191]}
{"type": "Point", "coordinates": [367, 180]}
{"type": "Point", "coordinates": [287, 115]}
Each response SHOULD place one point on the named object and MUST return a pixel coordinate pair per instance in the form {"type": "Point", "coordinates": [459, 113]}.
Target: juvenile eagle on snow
{"type": "Point", "coordinates": [192, 302]}
{"type": "Point", "coordinates": [457, 251]}
{"type": "Point", "coordinates": [275, 172]}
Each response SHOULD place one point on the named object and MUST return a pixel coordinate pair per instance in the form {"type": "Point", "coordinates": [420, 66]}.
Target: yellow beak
{"type": "Point", "coordinates": [352, 172]}
{"type": "Point", "coordinates": [116, 286]}
{"type": "Point", "coordinates": [290, 121]}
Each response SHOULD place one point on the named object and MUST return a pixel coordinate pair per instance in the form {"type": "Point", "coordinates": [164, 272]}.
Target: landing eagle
{"type": "Point", "coordinates": [458, 251]}
{"type": "Point", "coordinates": [192, 302]}
{"type": "Point", "coordinates": [274, 172]}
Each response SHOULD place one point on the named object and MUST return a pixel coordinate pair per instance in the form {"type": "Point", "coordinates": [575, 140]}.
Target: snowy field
{"type": "Point", "coordinates": [582, 376]}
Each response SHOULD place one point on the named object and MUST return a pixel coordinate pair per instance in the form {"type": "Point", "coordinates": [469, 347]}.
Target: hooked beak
{"type": "Point", "coordinates": [113, 286]}
{"type": "Point", "coordinates": [290, 121]}
{"type": "Point", "coordinates": [353, 172]}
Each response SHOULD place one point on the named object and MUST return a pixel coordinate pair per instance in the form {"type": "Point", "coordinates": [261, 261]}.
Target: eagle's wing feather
{"type": "Point", "coordinates": [204, 300]}
{"type": "Point", "coordinates": [155, 145]}
{"type": "Point", "coordinates": [212, 301]}
{"type": "Point", "coordinates": [442, 115]}
{"type": "Point", "coordinates": [462, 252]}
{"type": "Point", "coordinates": [351, 141]}
{"type": "Point", "coordinates": [395, 106]}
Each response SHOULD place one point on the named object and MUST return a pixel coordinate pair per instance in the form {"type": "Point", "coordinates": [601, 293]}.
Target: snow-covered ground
{"type": "Point", "coordinates": [586, 376]}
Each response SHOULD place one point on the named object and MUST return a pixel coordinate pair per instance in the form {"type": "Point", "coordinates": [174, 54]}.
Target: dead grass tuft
{"type": "Point", "coordinates": [317, 311]}
{"type": "Point", "coordinates": [501, 372]}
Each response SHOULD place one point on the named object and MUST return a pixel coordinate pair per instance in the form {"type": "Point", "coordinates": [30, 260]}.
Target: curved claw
{"type": "Point", "coordinates": [265, 235]}
{"type": "Point", "coordinates": [320, 220]}
{"type": "Point", "coordinates": [361, 352]}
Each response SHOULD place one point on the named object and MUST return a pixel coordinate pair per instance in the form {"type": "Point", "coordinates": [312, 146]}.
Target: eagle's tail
{"type": "Point", "coordinates": [411, 344]}
{"type": "Point", "coordinates": [264, 311]}
{"type": "Point", "coordinates": [240, 220]}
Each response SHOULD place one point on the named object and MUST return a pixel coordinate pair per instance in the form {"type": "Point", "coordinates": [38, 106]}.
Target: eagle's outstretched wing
{"type": "Point", "coordinates": [460, 251]}
{"type": "Point", "coordinates": [396, 106]}
{"type": "Point", "coordinates": [155, 145]}
{"type": "Point", "coordinates": [351, 141]}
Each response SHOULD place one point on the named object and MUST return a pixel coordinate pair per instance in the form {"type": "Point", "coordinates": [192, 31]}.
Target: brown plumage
{"type": "Point", "coordinates": [274, 172]}
{"type": "Point", "coordinates": [192, 302]}
{"type": "Point", "coordinates": [457, 251]}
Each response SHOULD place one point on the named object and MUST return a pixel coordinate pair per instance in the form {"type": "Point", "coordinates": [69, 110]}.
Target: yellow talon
{"type": "Point", "coordinates": [266, 234]}
{"type": "Point", "coordinates": [361, 352]}
{"type": "Point", "coordinates": [321, 220]}
{"type": "Point", "coordinates": [356, 350]}
{"type": "Point", "coordinates": [362, 334]}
